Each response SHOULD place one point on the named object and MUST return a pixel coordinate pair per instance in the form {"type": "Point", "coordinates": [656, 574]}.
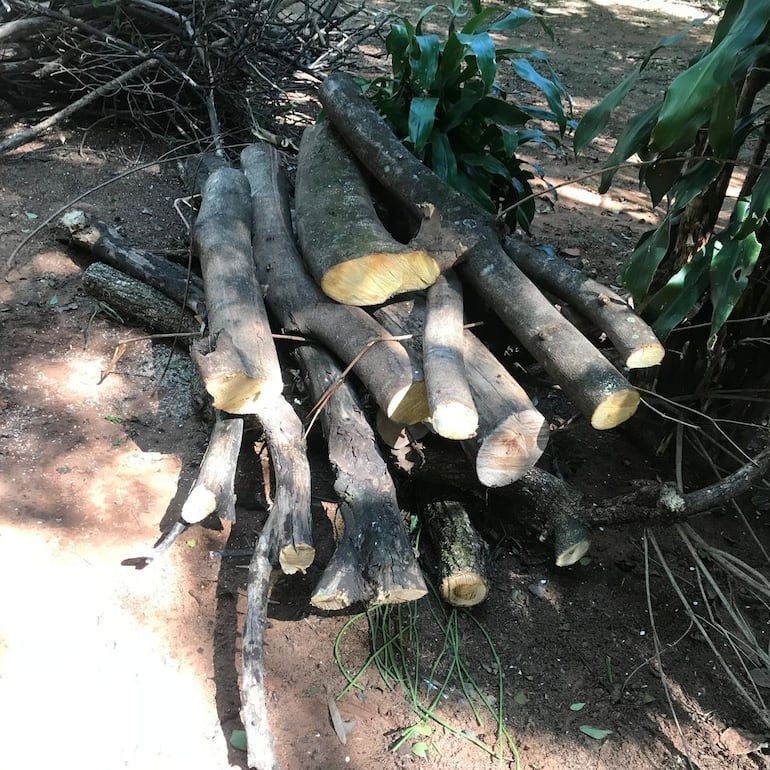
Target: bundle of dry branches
{"type": "Point", "coordinates": [190, 70]}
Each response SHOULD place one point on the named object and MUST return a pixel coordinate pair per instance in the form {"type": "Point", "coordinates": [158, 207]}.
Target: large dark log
{"type": "Point", "coordinates": [374, 561]}
{"type": "Point", "coordinates": [353, 335]}
{"type": "Point", "coordinates": [108, 246]}
{"type": "Point", "coordinates": [238, 361]}
{"type": "Point", "coordinates": [452, 411]}
{"type": "Point", "coordinates": [632, 337]}
{"type": "Point", "coordinates": [511, 434]}
{"type": "Point", "coordinates": [462, 555]}
{"type": "Point", "coordinates": [600, 392]}
{"type": "Point", "coordinates": [351, 255]}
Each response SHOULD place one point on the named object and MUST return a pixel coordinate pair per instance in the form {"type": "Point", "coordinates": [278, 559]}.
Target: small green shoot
{"type": "Point", "coordinates": [577, 706]}
{"type": "Point", "coordinates": [30, 215]}
{"type": "Point", "coordinates": [113, 419]}
{"type": "Point", "coordinates": [238, 740]}
{"type": "Point", "coordinates": [595, 732]}
{"type": "Point", "coordinates": [190, 543]}
{"type": "Point", "coordinates": [521, 698]}
{"type": "Point", "coordinates": [54, 300]}
{"type": "Point", "coordinates": [420, 749]}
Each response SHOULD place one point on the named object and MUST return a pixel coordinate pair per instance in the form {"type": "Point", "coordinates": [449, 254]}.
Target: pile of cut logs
{"type": "Point", "coordinates": [413, 355]}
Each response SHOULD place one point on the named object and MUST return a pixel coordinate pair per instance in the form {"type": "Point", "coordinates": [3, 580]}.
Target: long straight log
{"type": "Point", "coordinates": [452, 411]}
{"type": "Point", "coordinates": [511, 434]}
{"type": "Point", "coordinates": [108, 246]}
{"type": "Point", "coordinates": [631, 336]}
{"type": "Point", "coordinates": [353, 335]}
{"type": "Point", "coordinates": [351, 255]}
{"type": "Point", "coordinates": [599, 391]}
{"type": "Point", "coordinates": [374, 561]}
{"type": "Point", "coordinates": [238, 362]}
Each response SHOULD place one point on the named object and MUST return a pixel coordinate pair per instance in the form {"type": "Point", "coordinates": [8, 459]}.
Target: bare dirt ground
{"type": "Point", "coordinates": [106, 666]}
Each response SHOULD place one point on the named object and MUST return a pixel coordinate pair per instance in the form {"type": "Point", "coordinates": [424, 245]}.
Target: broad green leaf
{"type": "Point", "coordinates": [471, 188]}
{"type": "Point", "coordinates": [633, 139]}
{"type": "Point", "coordinates": [420, 749]}
{"type": "Point", "coordinates": [238, 740]}
{"type": "Point", "coordinates": [722, 123]}
{"type": "Point", "coordinates": [661, 176]}
{"type": "Point", "coordinates": [471, 94]}
{"type": "Point", "coordinates": [478, 22]}
{"type": "Point", "coordinates": [485, 161]}
{"type": "Point", "coordinates": [422, 116]}
{"type": "Point", "coordinates": [731, 265]}
{"type": "Point", "coordinates": [577, 706]}
{"type": "Point", "coordinates": [423, 60]}
{"type": "Point", "coordinates": [442, 158]}
{"type": "Point", "coordinates": [501, 113]}
{"type": "Point", "coordinates": [423, 13]}
{"type": "Point", "coordinates": [516, 18]}
{"type": "Point", "coordinates": [422, 728]}
{"type": "Point", "coordinates": [729, 15]}
{"type": "Point", "coordinates": [669, 40]}
{"type": "Point", "coordinates": [483, 48]}
{"type": "Point", "coordinates": [758, 206]}
{"type": "Point", "coordinates": [694, 91]}
{"type": "Point", "coordinates": [672, 304]}
{"type": "Point", "coordinates": [637, 275]}
{"type": "Point", "coordinates": [693, 183]}
{"type": "Point", "coordinates": [551, 91]}
{"type": "Point", "coordinates": [595, 732]}
{"type": "Point", "coordinates": [594, 121]}
{"type": "Point", "coordinates": [449, 67]}
{"type": "Point", "coordinates": [397, 45]}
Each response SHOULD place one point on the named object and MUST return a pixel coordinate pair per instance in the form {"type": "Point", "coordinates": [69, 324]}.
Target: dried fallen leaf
{"type": "Point", "coordinates": [595, 732]}
{"type": "Point", "coordinates": [341, 727]}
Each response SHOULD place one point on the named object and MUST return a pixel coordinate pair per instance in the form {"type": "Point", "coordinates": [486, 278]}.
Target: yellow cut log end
{"type": "Point", "coordinates": [375, 278]}
{"type": "Point", "coordinates": [645, 356]}
{"type": "Point", "coordinates": [455, 421]}
{"type": "Point", "coordinates": [296, 558]}
{"type": "Point", "coordinates": [465, 589]}
{"type": "Point", "coordinates": [410, 405]}
{"type": "Point", "coordinates": [615, 409]}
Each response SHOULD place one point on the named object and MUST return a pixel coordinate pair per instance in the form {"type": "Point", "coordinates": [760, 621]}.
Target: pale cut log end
{"type": "Point", "coordinates": [410, 405]}
{"type": "Point", "coordinates": [396, 435]}
{"type": "Point", "coordinates": [572, 554]}
{"type": "Point", "coordinates": [235, 393]}
{"type": "Point", "coordinates": [513, 447]}
{"type": "Point", "coordinates": [615, 409]}
{"type": "Point", "coordinates": [200, 503]}
{"type": "Point", "coordinates": [375, 278]}
{"type": "Point", "coordinates": [296, 558]}
{"type": "Point", "coordinates": [398, 596]}
{"type": "Point", "coordinates": [571, 539]}
{"type": "Point", "coordinates": [645, 355]}
{"type": "Point", "coordinates": [464, 589]}
{"type": "Point", "coordinates": [331, 602]}
{"type": "Point", "coordinates": [455, 421]}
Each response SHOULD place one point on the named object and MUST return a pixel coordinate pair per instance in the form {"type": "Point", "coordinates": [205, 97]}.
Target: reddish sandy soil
{"type": "Point", "coordinates": [105, 666]}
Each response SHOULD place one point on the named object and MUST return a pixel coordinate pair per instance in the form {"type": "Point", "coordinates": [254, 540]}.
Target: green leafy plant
{"type": "Point", "coordinates": [444, 101]}
{"type": "Point", "coordinates": [689, 142]}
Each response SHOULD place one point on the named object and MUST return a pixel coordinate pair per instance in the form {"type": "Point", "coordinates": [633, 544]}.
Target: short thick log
{"type": "Point", "coordinates": [238, 361]}
{"type": "Point", "coordinates": [290, 513]}
{"type": "Point", "coordinates": [462, 554]}
{"type": "Point", "coordinates": [452, 411]}
{"type": "Point", "coordinates": [599, 391]}
{"type": "Point", "coordinates": [374, 562]}
{"type": "Point", "coordinates": [108, 246]}
{"type": "Point", "coordinates": [511, 434]}
{"type": "Point", "coordinates": [345, 246]}
{"type": "Point", "coordinates": [631, 336]}
{"type": "Point", "coordinates": [137, 304]}
{"type": "Point", "coordinates": [353, 335]}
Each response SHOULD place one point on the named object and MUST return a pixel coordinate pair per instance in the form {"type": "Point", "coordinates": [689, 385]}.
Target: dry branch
{"type": "Point", "coordinates": [238, 361]}
{"type": "Point", "coordinates": [631, 336]}
{"type": "Point", "coordinates": [108, 246]}
{"type": "Point", "coordinates": [379, 362]}
{"type": "Point", "coordinates": [463, 556]}
{"type": "Point", "coordinates": [452, 411]}
{"type": "Point", "coordinates": [345, 246]}
{"type": "Point", "coordinates": [591, 382]}
{"type": "Point", "coordinates": [374, 561]}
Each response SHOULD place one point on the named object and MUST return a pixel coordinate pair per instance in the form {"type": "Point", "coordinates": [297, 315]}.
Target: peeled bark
{"type": "Point", "coordinates": [599, 391]}
{"type": "Point", "coordinates": [238, 361]}
{"type": "Point", "coordinates": [350, 254]}
{"type": "Point", "coordinates": [374, 561]}
{"type": "Point", "coordinates": [632, 337]}
{"type": "Point", "coordinates": [353, 335]}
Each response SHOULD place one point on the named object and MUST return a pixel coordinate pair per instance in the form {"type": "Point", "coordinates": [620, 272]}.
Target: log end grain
{"type": "Point", "coordinates": [200, 503]}
{"type": "Point", "coordinates": [398, 595]}
{"type": "Point", "coordinates": [296, 558]}
{"type": "Point", "coordinates": [615, 409]}
{"type": "Point", "coordinates": [571, 539]}
{"type": "Point", "coordinates": [409, 405]}
{"type": "Point", "coordinates": [644, 356]}
{"type": "Point", "coordinates": [376, 277]}
{"type": "Point", "coordinates": [455, 420]}
{"type": "Point", "coordinates": [464, 589]}
{"type": "Point", "coordinates": [508, 451]}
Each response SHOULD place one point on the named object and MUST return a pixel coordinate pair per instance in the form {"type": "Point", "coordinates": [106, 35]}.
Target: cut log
{"type": "Point", "coordinates": [213, 490]}
{"type": "Point", "coordinates": [290, 513]}
{"type": "Point", "coordinates": [353, 335]}
{"type": "Point", "coordinates": [137, 304]}
{"type": "Point", "coordinates": [350, 254]}
{"type": "Point", "coordinates": [374, 561]}
{"type": "Point", "coordinates": [395, 434]}
{"type": "Point", "coordinates": [599, 391]}
{"type": "Point", "coordinates": [463, 556]}
{"type": "Point", "coordinates": [511, 434]}
{"type": "Point", "coordinates": [452, 411]}
{"type": "Point", "coordinates": [631, 336]}
{"type": "Point", "coordinates": [238, 361]}
{"type": "Point", "coordinates": [108, 246]}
